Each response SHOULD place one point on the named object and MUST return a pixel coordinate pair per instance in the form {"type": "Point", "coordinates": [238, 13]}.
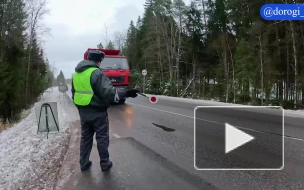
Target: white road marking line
{"type": "Point", "coordinates": [294, 138]}
{"type": "Point", "coordinates": [116, 136]}
{"type": "Point", "coordinates": [161, 110]}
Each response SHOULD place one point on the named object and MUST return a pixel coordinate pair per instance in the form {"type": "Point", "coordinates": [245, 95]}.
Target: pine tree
{"type": "Point", "coordinates": [131, 43]}
{"type": "Point", "coordinates": [61, 78]}
{"type": "Point", "coordinates": [12, 42]}
{"type": "Point", "coordinates": [110, 45]}
{"type": "Point", "coordinates": [100, 46]}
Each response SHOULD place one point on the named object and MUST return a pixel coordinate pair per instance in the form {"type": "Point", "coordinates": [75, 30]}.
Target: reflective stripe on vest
{"type": "Point", "coordinates": [82, 85]}
{"type": "Point", "coordinates": [83, 92]}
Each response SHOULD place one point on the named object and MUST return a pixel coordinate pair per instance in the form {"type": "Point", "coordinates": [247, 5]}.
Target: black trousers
{"type": "Point", "coordinates": [94, 122]}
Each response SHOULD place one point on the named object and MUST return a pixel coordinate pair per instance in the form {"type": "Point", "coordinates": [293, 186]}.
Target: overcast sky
{"type": "Point", "coordinates": [79, 24]}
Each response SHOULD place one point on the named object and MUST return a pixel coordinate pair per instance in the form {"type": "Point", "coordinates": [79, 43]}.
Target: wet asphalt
{"type": "Point", "coordinates": [152, 147]}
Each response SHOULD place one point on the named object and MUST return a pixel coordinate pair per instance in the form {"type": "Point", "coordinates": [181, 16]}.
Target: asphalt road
{"type": "Point", "coordinates": [153, 144]}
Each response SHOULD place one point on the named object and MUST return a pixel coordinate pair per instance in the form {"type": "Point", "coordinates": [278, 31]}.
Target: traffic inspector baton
{"type": "Point", "coordinates": [143, 95]}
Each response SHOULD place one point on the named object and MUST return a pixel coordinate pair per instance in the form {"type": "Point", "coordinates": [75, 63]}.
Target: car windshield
{"type": "Point", "coordinates": [114, 63]}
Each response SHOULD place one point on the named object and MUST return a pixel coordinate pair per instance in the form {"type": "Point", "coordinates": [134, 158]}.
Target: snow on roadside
{"type": "Point", "coordinates": [292, 113]}
{"type": "Point", "coordinates": [29, 160]}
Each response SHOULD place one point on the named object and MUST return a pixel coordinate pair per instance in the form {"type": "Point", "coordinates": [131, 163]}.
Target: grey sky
{"type": "Point", "coordinates": [77, 25]}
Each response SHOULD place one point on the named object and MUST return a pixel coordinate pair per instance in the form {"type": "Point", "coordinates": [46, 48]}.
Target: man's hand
{"type": "Point", "coordinates": [132, 93]}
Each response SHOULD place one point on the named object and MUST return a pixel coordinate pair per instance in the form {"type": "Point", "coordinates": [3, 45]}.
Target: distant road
{"type": "Point", "coordinates": [166, 129]}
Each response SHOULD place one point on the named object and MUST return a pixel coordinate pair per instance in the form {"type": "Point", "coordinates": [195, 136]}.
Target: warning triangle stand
{"type": "Point", "coordinates": [47, 106]}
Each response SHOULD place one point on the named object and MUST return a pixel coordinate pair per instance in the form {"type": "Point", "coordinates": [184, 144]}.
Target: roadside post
{"type": "Point", "coordinates": [63, 88]}
{"type": "Point", "coordinates": [144, 73]}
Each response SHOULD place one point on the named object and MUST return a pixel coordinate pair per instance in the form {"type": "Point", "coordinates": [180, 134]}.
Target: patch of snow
{"type": "Point", "coordinates": [27, 157]}
{"type": "Point", "coordinates": [291, 113]}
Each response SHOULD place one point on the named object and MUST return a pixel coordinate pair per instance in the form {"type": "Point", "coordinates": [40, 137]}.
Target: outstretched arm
{"type": "Point", "coordinates": [104, 89]}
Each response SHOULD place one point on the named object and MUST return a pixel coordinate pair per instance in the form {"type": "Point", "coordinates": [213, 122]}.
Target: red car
{"type": "Point", "coordinates": [115, 66]}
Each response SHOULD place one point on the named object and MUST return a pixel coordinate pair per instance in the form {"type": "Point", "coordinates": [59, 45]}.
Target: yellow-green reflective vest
{"type": "Point", "coordinates": [82, 86]}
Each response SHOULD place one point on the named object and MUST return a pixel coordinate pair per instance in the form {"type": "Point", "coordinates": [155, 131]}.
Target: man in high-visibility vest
{"type": "Point", "coordinates": [92, 93]}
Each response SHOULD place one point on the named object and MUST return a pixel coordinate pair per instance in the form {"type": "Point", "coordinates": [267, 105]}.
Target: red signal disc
{"type": "Point", "coordinates": [153, 99]}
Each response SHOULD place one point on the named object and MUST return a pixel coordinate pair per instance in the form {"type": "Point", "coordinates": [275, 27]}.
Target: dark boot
{"type": "Point", "coordinates": [89, 164]}
{"type": "Point", "coordinates": [107, 167]}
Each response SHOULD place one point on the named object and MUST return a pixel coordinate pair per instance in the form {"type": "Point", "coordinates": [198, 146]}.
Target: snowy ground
{"type": "Point", "coordinates": [291, 113]}
{"type": "Point", "coordinates": [29, 160]}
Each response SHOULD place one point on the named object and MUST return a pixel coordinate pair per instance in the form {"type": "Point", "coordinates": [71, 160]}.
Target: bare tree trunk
{"type": "Point", "coordinates": [199, 86]}
{"type": "Point", "coordinates": [29, 55]}
{"type": "Point", "coordinates": [168, 45]}
{"type": "Point", "coordinates": [106, 34]}
{"type": "Point", "coordinates": [233, 79]}
{"type": "Point", "coordinates": [204, 87]}
{"type": "Point", "coordinates": [171, 51]}
{"type": "Point", "coordinates": [185, 90]}
{"type": "Point", "coordinates": [194, 75]}
{"type": "Point", "coordinates": [295, 64]}
{"type": "Point", "coordinates": [206, 29]}
{"type": "Point", "coordinates": [276, 87]}
{"type": "Point", "coordinates": [287, 74]}
{"type": "Point", "coordinates": [178, 11]}
{"type": "Point", "coordinates": [178, 54]}
{"type": "Point", "coordinates": [2, 28]}
{"type": "Point", "coordinates": [302, 94]}
{"type": "Point", "coordinates": [279, 92]}
{"type": "Point", "coordinates": [204, 14]}
{"type": "Point", "coordinates": [261, 69]}
{"type": "Point", "coordinates": [159, 53]}
{"type": "Point", "coordinates": [226, 65]}
{"type": "Point", "coordinates": [37, 12]}
{"type": "Point", "coordinates": [120, 40]}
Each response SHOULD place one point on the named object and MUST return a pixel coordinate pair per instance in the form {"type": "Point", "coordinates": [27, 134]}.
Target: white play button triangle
{"type": "Point", "coordinates": [235, 138]}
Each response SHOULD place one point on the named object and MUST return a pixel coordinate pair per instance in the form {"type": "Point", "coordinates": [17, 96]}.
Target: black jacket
{"type": "Point", "coordinates": [104, 92]}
